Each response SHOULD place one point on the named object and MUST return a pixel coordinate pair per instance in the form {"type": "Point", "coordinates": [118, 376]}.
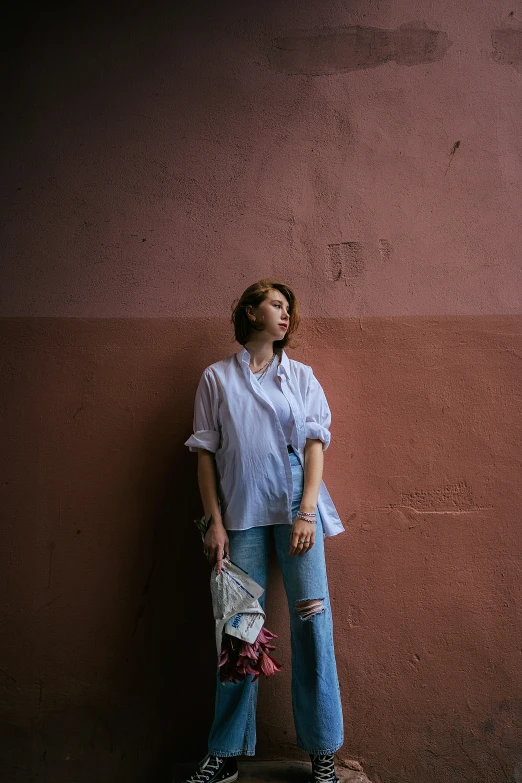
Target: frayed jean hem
{"type": "Point", "coordinates": [323, 751]}
{"type": "Point", "coordinates": [231, 753]}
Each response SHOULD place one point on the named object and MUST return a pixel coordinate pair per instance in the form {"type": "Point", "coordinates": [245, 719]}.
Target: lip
{"type": "Point", "coordinates": [285, 326]}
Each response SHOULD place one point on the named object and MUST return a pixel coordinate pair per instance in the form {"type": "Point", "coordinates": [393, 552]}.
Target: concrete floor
{"type": "Point", "coordinates": [276, 772]}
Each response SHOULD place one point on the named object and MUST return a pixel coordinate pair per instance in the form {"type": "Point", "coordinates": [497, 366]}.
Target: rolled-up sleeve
{"type": "Point", "coordinates": [318, 416]}
{"type": "Point", "coordinates": [205, 425]}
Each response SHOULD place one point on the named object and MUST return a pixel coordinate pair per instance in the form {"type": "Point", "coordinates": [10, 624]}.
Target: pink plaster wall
{"type": "Point", "coordinates": [157, 161]}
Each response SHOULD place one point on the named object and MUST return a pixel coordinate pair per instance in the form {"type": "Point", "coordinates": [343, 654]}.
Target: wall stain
{"type": "Point", "coordinates": [452, 153]}
{"type": "Point", "coordinates": [489, 726]}
{"type": "Point", "coordinates": [449, 497]}
{"type": "Point", "coordinates": [354, 48]}
{"type": "Point", "coordinates": [507, 48]}
{"type": "Point", "coordinates": [346, 261]}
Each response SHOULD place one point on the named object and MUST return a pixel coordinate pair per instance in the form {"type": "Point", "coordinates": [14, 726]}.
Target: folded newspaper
{"type": "Point", "coordinates": [238, 614]}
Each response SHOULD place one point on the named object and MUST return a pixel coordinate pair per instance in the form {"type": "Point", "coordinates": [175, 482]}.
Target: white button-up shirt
{"type": "Point", "coordinates": [236, 420]}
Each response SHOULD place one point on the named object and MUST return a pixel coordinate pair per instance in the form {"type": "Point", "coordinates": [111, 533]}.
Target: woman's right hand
{"type": "Point", "coordinates": [215, 543]}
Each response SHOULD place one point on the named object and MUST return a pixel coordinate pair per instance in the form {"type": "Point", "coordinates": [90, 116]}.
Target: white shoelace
{"type": "Point", "coordinates": [208, 768]}
{"type": "Point", "coordinates": [324, 770]}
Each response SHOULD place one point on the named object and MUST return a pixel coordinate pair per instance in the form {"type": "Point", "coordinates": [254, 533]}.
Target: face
{"type": "Point", "coordinates": [273, 313]}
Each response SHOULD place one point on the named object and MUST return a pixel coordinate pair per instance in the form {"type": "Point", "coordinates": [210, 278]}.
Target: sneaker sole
{"type": "Point", "coordinates": [231, 778]}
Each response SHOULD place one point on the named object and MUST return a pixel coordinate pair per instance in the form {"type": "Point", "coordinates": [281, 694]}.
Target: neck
{"type": "Point", "coordinates": [261, 351]}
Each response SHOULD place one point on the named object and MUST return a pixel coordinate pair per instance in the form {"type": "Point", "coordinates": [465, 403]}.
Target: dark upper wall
{"type": "Point", "coordinates": [370, 155]}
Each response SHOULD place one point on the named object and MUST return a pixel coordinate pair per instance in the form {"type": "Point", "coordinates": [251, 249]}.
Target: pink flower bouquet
{"type": "Point", "coordinates": [239, 658]}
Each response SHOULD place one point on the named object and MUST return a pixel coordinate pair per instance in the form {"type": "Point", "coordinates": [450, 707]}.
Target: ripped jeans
{"type": "Point", "coordinates": [316, 700]}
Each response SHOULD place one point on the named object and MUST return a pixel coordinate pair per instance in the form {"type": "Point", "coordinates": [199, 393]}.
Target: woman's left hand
{"type": "Point", "coordinates": [302, 537]}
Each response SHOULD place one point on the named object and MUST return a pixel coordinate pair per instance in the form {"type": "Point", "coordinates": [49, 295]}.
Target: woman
{"type": "Point", "coordinates": [260, 428]}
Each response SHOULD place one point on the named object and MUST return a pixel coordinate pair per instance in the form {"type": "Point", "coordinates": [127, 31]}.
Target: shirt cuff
{"type": "Point", "coordinates": [314, 431]}
{"type": "Point", "coordinates": [203, 439]}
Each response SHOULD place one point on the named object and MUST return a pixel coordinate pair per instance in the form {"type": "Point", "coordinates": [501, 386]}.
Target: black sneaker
{"type": "Point", "coordinates": [214, 769]}
{"type": "Point", "coordinates": [323, 770]}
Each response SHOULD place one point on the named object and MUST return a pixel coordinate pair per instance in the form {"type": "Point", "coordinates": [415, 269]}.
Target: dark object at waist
{"type": "Point", "coordinates": [290, 448]}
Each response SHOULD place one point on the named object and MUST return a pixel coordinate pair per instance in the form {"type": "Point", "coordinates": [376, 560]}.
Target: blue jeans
{"type": "Point", "coordinates": [316, 700]}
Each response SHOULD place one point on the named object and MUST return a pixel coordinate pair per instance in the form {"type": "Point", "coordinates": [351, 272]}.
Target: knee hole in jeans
{"type": "Point", "coordinates": [307, 609]}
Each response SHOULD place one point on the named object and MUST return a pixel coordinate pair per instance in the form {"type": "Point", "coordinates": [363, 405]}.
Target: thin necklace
{"type": "Point", "coordinates": [264, 369]}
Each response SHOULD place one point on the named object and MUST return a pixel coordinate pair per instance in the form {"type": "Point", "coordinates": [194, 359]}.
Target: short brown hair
{"type": "Point", "coordinates": [254, 295]}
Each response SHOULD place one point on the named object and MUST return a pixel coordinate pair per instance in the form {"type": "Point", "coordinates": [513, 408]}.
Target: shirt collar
{"type": "Point", "coordinates": [243, 357]}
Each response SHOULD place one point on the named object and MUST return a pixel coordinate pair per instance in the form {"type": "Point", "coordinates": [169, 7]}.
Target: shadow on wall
{"type": "Point", "coordinates": [175, 608]}
{"type": "Point", "coordinates": [111, 675]}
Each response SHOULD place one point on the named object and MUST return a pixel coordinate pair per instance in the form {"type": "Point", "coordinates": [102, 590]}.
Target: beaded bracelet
{"type": "Point", "coordinates": [307, 516]}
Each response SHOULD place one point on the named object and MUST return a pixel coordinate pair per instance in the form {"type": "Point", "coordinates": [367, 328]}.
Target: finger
{"type": "Point", "coordinates": [294, 542]}
{"type": "Point", "coordinates": [214, 554]}
{"type": "Point", "coordinates": [219, 560]}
